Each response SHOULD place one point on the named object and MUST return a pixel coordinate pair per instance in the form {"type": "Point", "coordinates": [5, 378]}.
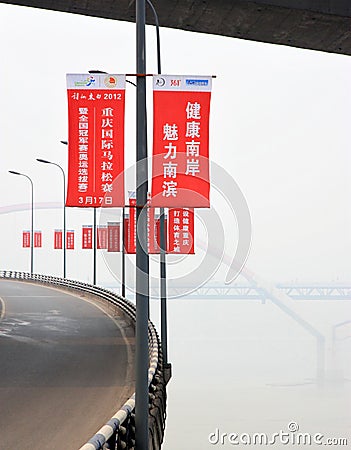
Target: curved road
{"type": "Point", "coordinates": [65, 367]}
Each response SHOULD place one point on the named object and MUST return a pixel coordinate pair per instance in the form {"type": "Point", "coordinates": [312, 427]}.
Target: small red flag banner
{"type": "Point", "coordinates": [26, 239]}
{"type": "Point", "coordinates": [87, 237]}
{"type": "Point", "coordinates": [70, 240]}
{"type": "Point", "coordinates": [102, 237]}
{"type": "Point", "coordinates": [158, 234]}
{"type": "Point", "coordinates": [131, 235]}
{"type": "Point", "coordinates": [114, 233]}
{"type": "Point", "coordinates": [58, 239]}
{"type": "Point", "coordinates": [96, 105]}
{"type": "Point", "coordinates": [180, 162]}
{"type": "Point", "coordinates": [37, 239]}
{"type": "Point", "coordinates": [181, 231]}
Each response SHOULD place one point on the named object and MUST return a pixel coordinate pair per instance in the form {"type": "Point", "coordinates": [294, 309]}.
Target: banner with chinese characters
{"type": "Point", "coordinates": [181, 231]}
{"type": "Point", "coordinates": [87, 237]}
{"type": "Point", "coordinates": [130, 226]}
{"type": "Point", "coordinates": [114, 233]}
{"type": "Point", "coordinates": [180, 163]}
{"type": "Point", "coordinates": [57, 239]}
{"type": "Point", "coordinates": [70, 240]}
{"type": "Point", "coordinates": [179, 228]}
{"type": "Point", "coordinates": [37, 239]}
{"type": "Point", "coordinates": [152, 231]}
{"type": "Point", "coordinates": [131, 241]}
{"type": "Point", "coordinates": [26, 239]}
{"type": "Point", "coordinates": [102, 237]}
{"type": "Point", "coordinates": [96, 106]}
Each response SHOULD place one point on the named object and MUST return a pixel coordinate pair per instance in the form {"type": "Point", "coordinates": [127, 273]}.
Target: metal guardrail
{"type": "Point", "coordinates": [119, 432]}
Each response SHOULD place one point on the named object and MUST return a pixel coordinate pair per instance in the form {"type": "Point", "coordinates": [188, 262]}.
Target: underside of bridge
{"type": "Point", "coordinates": [312, 24]}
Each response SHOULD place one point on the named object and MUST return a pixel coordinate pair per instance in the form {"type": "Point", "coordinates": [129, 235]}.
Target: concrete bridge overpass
{"type": "Point", "coordinates": [323, 25]}
{"type": "Point", "coordinates": [59, 354]}
{"type": "Point", "coordinates": [67, 365]}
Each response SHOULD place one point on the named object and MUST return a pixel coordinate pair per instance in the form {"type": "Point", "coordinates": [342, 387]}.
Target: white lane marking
{"type": "Point", "coordinates": [3, 309]}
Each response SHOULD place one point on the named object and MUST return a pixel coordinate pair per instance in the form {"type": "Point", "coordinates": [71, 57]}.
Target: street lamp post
{"type": "Point", "coordinates": [123, 290]}
{"type": "Point", "coordinates": [94, 234]}
{"type": "Point", "coordinates": [32, 219]}
{"type": "Point", "coordinates": [142, 258]}
{"type": "Point", "coordinates": [163, 245]}
{"type": "Point", "coordinates": [64, 210]}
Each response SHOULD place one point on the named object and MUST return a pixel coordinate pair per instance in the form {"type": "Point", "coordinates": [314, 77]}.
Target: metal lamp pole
{"type": "Point", "coordinates": [123, 291]}
{"type": "Point", "coordinates": [64, 210]}
{"type": "Point", "coordinates": [142, 257]}
{"type": "Point", "coordinates": [94, 227]}
{"type": "Point", "coordinates": [163, 250]}
{"type": "Point", "coordinates": [32, 219]}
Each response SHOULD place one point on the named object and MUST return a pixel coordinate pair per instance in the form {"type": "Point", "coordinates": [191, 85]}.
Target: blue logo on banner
{"type": "Point", "coordinates": [196, 82]}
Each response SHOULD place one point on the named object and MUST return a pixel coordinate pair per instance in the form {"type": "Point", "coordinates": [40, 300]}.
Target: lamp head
{"type": "Point", "coordinates": [43, 161]}
{"type": "Point", "coordinates": [14, 173]}
{"type": "Point", "coordinates": [97, 71]}
{"type": "Point", "coordinates": [64, 142]}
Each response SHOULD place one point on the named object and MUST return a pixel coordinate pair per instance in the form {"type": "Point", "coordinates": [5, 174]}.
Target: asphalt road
{"type": "Point", "coordinates": [65, 367]}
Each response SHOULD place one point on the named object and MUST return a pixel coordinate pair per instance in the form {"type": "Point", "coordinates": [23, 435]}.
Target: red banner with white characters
{"type": "Point", "coordinates": [58, 239]}
{"type": "Point", "coordinates": [96, 106]}
{"type": "Point", "coordinates": [114, 234]}
{"type": "Point", "coordinates": [152, 231]}
{"type": "Point", "coordinates": [181, 231]}
{"type": "Point", "coordinates": [70, 239]}
{"type": "Point", "coordinates": [87, 237]}
{"type": "Point", "coordinates": [131, 242]}
{"type": "Point", "coordinates": [102, 237]}
{"type": "Point", "coordinates": [26, 239]}
{"type": "Point", "coordinates": [130, 226]}
{"type": "Point", "coordinates": [37, 239]}
{"type": "Point", "coordinates": [180, 163]}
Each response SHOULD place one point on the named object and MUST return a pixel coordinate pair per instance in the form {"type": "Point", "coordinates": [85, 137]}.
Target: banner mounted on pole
{"type": "Point", "coordinates": [181, 231]}
{"type": "Point", "coordinates": [26, 239]}
{"type": "Point", "coordinates": [180, 163]}
{"type": "Point", "coordinates": [70, 239]}
{"type": "Point", "coordinates": [102, 237]}
{"type": "Point", "coordinates": [87, 237]}
{"type": "Point", "coordinates": [114, 236]}
{"type": "Point", "coordinates": [37, 239]}
{"type": "Point", "coordinates": [96, 105]}
{"type": "Point", "coordinates": [58, 239]}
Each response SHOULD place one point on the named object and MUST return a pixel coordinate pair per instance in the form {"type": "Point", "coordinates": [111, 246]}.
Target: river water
{"type": "Point", "coordinates": [245, 367]}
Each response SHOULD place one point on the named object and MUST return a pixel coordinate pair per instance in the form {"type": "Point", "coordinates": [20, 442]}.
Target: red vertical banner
{"type": "Point", "coordinates": [102, 237]}
{"type": "Point", "coordinates": [58, 239]}
{"type": "Point", "coordinates": [96, 106]}
{"type": "Point", "coordinates": [37, 239]}
{"type": "Point", "coordinates": [180, 163]}
{"type": "Point", "coordinates": [152, 231]}
{"type": "Point", "coordinates": [26, 239]}
{"type": "Point", "coordinates": [158, 234]}
{"type": "Point", "coordinates": [70, 240]}
{"type": "Point", "coordinates": [87, 237]}
{"type": "Point", "coordinates": [181, 231]}
{"type": "Point", "coordinates": [126, 233]}
{"type": "Point", "coordinates": [114, 235]}
{"type": "Point", "coordinates": [131, 247]}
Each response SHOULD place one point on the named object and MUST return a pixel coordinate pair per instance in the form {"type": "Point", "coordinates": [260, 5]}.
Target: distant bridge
{"type": "Point", "coordinates": [245, 292]}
